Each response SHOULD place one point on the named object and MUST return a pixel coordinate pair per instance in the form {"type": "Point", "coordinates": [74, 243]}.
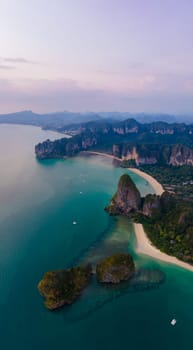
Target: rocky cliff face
{"type": "Point", "coordinates": [129, 126]}
{"type": "Point", "coordinates": [181, 155]}
{"type": "Point", "coordinates": [51, 149]}
{"type": "Point", "coordinates": [126, 199]}
{"type": "Point", "coordinates": [64, 147]}
{"type": "Point", "coordinates": [156, 143]}
{"type": "Point", "coordinates": [154, 154]}
{"type": "Point", "coordinates": [151, 205]}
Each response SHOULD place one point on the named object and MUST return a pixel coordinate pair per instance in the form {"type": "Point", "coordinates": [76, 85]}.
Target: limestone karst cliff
{"type": "Point", "coordinates": [126, 199]}
{"type": "Point", "coordinates": [156, 143]}
{"type": "Point", "coordinates": [149, 154]}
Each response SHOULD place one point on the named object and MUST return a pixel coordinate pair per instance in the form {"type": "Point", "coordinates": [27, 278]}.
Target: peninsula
{"type": "Point", "coordinates": [167, 223]}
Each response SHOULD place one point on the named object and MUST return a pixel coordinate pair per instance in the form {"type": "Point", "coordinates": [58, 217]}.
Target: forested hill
{"type": "Point", "coordinates": [152, 143]}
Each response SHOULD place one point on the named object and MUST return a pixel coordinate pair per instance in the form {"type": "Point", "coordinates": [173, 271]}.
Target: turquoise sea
{"type": "Point", "coordinates": [38, 203]}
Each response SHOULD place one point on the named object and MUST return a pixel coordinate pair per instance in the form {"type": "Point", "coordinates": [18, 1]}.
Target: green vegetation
{"type": "Point", "coordinates": [170, 228]}
{"type": "Point", "coordinates": [116, 268]}
{"type": "Point", "coordinates": [167, 219]}
{"type": "Point", "coordinates": [154, 143]}
{"type": "Point", "coordinates": [131, 163]}
{"type": "Point", "coordinates": [64, 286]}
{"type": "Point", "coordinates": [177, 179]}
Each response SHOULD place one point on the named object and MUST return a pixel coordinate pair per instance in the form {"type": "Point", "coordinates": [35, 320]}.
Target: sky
{"type": "Point", "coordinates": [96, 55]}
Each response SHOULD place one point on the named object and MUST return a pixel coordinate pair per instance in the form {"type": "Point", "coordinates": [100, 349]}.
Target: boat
{"type": "Point", "coordinates": [74, 222]}
{"type": "Point", "coordinates": [173, 322]}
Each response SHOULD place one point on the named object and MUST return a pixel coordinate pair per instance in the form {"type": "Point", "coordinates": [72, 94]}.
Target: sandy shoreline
{"type": "Point", "coordinates": [158, 188]}
{"type": "Point", "coordinates": [144, 245]}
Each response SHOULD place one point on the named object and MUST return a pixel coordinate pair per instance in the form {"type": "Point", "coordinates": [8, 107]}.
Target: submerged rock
{"type": "Point", "coordinates": [116, 268]}
{"type": "Point", "coordinates": [64, 286]}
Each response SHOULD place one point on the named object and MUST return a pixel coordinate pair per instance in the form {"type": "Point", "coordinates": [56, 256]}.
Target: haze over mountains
{"type": "Point", "coordinates": [59, 120]}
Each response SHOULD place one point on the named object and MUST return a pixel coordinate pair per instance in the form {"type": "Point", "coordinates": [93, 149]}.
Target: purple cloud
{"type": "Point", "coordinates": [16, 60]}
{"type": "Point", "coordinates": [3, 66]}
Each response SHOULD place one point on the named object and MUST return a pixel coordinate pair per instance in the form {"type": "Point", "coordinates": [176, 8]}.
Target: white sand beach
{"type": "Point", "coordinates": [158, 188]}
{"type": "Point", "coordinates": [144, 245]}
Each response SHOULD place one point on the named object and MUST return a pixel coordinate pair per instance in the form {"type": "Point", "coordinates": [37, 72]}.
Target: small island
{"type": "Point", "coordinates": [116, 268]}
{"type": "Point", "coordinates": [63, 287]}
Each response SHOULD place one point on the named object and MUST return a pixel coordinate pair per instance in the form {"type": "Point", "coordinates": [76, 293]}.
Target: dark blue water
{"type": "Point", "coordinates": [38, 203]}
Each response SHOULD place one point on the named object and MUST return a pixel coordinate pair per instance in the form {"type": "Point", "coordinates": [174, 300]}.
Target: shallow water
{"type": "Point", "coordinates": [38, 203]}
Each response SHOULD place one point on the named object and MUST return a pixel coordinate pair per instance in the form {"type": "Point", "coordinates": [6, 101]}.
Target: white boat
{"type": "Point", "coordinates": [74, 222]}
{"type": "Point", "coordinates": [173, 322]}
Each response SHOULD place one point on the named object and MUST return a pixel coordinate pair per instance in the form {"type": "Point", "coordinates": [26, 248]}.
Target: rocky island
{"type": "Point", "coordinates": [116, 268]}
{"type": "Point", "coordinates": [65, 286]}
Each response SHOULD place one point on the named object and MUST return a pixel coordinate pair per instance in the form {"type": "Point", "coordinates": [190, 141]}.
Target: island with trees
{"type": "Point", "coordinates": [64, 287]}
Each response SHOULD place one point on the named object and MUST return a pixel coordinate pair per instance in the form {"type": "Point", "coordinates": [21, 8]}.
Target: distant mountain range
{"type": "Point", "coordinates": [52, 121]}
{"type": "Point", "coordinates": [58, 121]}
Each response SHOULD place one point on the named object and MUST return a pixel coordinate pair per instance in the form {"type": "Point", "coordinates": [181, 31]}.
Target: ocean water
{"type": "Point", "coordinates": [38, 203]}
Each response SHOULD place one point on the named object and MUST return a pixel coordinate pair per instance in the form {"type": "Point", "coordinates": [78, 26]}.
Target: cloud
{"type": "Point", "coordinates": [129, 68]}
{"type": "Point", "coordinates": [3, 66]}
{"type": "Point", "coordinates": [16, 60]}
{"type": "Point", "coordinates": [63, 94]}
{"type": "Point", "coordinates": [8, 63]}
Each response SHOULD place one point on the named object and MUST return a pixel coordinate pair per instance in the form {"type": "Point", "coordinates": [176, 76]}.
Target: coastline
{"type": "Point", "coordinates": [144, 245]}
{"type": "Point", "coordinates": [158, 188]}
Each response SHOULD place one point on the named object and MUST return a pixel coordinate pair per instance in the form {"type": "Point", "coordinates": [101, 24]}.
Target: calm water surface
{"type": "Point", "coordinates": [38, 203]}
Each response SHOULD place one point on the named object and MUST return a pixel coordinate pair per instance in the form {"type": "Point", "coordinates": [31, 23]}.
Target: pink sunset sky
{"type": "Point", "coordinates": [99, 55]}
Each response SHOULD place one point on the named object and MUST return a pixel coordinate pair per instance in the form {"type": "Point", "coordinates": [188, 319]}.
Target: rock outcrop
{"type": "Point", "coordinates": [151, 205]}
{"type": "Point", "coordinates": [126, 199]}
{"type": "Point", "coordinates": [148, 154]}
{"type": "Point", "coordinates": [181, 155]}
{"type": "Point", "coordinates": [65, 147]}
{"type": "Point", "coordinates": [116, 268]}
{"type": "Point", "coordinates": [140, 144]}
{"type": "Point", "coordinates": [64, 287]}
